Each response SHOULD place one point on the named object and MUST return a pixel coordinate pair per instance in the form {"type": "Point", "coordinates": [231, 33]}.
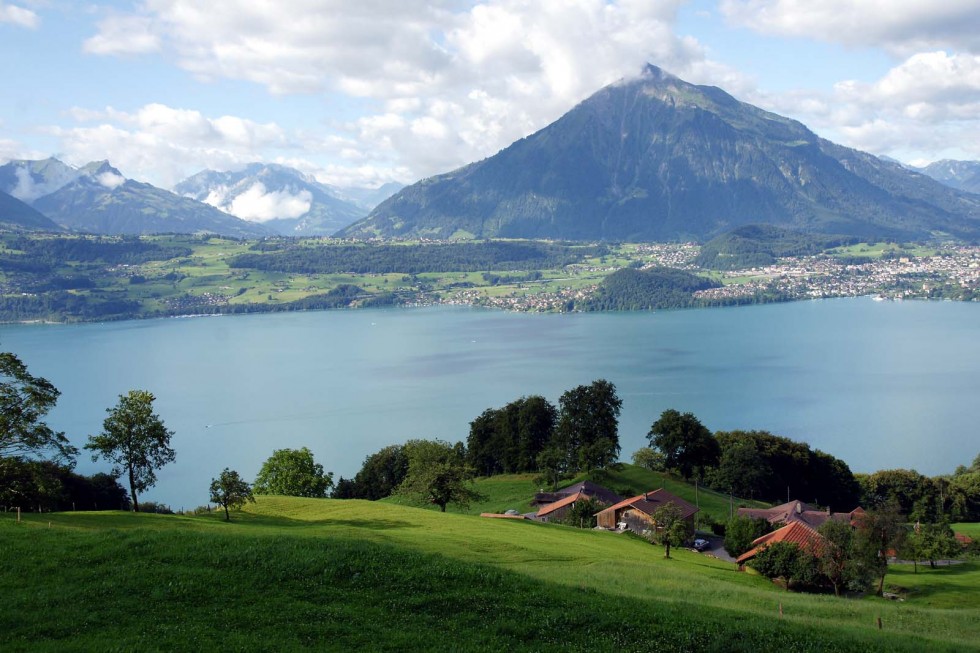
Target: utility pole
{"type": "Point", "coordinates": [697, 504]}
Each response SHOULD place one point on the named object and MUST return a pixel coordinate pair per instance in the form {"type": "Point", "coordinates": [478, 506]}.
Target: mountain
{"type": "Point", "coordinates": [962, 175]}
{"type": "Point", "coordinates": [97, 198]}
{"type": "Point", "coordinates": [18, 215]}
{"type": "Point", "coordinates": [280, 198]}
{"type": "Point", "coordinates": [29, 180]}
{"type": "Point", "coordinates": [368, 198]}
{"type": "Point", "coordinates": [655, 158]}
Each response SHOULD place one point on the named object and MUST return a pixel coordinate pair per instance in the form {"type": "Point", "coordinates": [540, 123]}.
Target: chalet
{"type": "Point", "coordinates": [796, 532]}
{"type": "Point", "coordinates": [555, 505]}
{"type": "Point", "coordinates": [636, 513]}
{"type": "Point", "coordinates": [797, 511]}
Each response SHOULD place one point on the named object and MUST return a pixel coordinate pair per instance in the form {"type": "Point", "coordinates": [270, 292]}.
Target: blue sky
{"type": "Point", "coordinates": [358, 94]}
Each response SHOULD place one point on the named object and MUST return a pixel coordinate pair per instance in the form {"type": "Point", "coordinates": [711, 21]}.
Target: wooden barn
{"type": "Point", "coordinates": [636, 513]}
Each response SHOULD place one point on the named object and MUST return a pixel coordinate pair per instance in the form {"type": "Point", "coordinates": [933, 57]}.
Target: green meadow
{"type": "Point", "coordinates": [291, 574]}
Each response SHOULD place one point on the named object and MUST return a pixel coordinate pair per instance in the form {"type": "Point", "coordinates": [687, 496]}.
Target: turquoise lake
{"type": "Point", "coordinates": [879, 384]}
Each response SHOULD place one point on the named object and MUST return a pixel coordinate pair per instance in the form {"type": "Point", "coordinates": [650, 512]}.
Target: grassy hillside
{"type": "Point", "coordinates": [303, 573]}
{"type": "Point", "coordinates": [515, 491]}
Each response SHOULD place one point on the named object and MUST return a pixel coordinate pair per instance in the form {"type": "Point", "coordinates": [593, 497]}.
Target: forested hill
{"type": "Point", "coordinates": [657, 288]}
{"type": "Point", "coordinates": [759, 245]}
{"type": "Point", "coordinates": [413, 259]}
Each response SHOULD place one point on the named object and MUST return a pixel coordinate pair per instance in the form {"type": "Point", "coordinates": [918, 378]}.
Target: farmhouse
{"type": "Point", "coordinates": [636, 513]}
{"type": "Point", "coordinates": [555, 505]}
{"type": "Point", "coordinates": [797, 511]}
{"type": "Point", "coordinates": [796, 532]}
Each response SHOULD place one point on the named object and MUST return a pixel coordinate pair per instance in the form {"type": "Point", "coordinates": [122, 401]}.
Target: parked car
{"type": "Point", "coordinates": [701, 544]}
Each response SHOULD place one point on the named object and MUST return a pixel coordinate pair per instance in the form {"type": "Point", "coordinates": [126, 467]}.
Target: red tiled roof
{"type": "Point", "coordinates": [796, 532]}
{"type": "Point", "coordinates": [567, 501]}
{"type": "Point", "coordinates": [648, 503]}
{"type": "Point", "coordinates": [798, 511]}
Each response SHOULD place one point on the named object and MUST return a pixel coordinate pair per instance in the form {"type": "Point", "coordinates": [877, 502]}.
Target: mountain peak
{"type": "Point", "coordinates": [656, 73]}
{"type": "Point", "coordinates": [656, 158]}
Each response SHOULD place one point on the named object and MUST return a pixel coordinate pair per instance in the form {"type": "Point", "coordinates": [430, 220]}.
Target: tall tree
{"type": "Point", "coordinates": [742, 470]}
{"type": "Point", "coordinates": [536, 420]}
{"type": "Point", "coordinates": [438, 474]}
{"type": "Point", "coordinates": [509, 439]}
{"type": "Point", "coordinates": [880, 531]}
{"type": "Point", "coordinates": [836, 561]}
{"type": "Point", "coordinates": [24, 401]}
{"type": "Point", "coordinates": [230, 491]}
{"type": "Point", "coordinates": [294, 473]}
{"type": "Point", "coordinates": [381, 473]}
{"type": "Point", "coordinates": [135, 440]}
{"type": "Point", "coordinates": [687, 445]}
{"type": "Point", "coordinates": [588, 425]}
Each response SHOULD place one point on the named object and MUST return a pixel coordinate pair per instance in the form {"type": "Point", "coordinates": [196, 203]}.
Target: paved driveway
{"type": "Point", "coordinates": [716, 548]}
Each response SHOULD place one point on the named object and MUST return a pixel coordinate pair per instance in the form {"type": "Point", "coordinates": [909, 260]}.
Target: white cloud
{"type": "Point", "coordinates": [18, 16]}
{"type": "Point", "coordinates": [111, 180]}
{"type": "Point", "coordinates": [28, 190]}
{"type": "Point", "coordinates": [456, 82]}
{"type": "Point", "coordinates": [123, 35]}
{"type": "Point", "coordinates": [902, 27]}
{"type": "Point", "coordinates": [926, 107]}
{"type": "Point", "coordinates": [163, 145]}
{"type": "Point", "coordinates": [258, 205]}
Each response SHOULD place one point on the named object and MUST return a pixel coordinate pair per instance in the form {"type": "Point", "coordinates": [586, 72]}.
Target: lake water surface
{"type": "Point", "coordinates": [879, 384]}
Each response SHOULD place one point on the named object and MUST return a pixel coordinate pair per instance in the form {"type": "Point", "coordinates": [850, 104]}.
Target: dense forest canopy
{"type": "Point", "coordinates": [414, 259]}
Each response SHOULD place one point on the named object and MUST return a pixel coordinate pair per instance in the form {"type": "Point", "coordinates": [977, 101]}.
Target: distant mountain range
{"type": "Point", "coordinates": [280, 198]}
{"type": "Point", "coordinates": [963, 175]}
{"type": "Point", "coordinates": [261, 200]}
{"type": "Point", "coordinates": [97, 198]}
{"type": "Point", "coordinates": [655, 158]}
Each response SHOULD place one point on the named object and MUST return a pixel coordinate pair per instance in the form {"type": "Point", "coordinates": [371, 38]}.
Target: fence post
{"type": "Point", "coordinates": [879, 623]}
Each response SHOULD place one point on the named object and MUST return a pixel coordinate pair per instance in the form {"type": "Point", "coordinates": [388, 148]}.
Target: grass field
{"type": "Point", "coordinates": [973, 530]}
{"type": "Point", "coordinates": [289, 574]}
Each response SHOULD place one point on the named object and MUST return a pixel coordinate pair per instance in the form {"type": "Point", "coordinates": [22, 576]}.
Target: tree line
{"type": "Point", "coordinates": [529, 434]}
{"type": "Point", "coordinates": [412, 259]}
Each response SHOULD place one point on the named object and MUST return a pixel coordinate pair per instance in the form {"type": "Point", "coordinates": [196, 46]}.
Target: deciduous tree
{"type": "Point", "coordinates": [294, 473]}
{"type": "Point", "coordinates": [438, 474]}
{"type": "Point", "coordinates": [24, 401]}
{"type": "Point", "coordinates": [135, 440]}
{"type": "Point", "coordinates": [588, 425]}
{"type": "Point", "coordinates": [230, 491]}
{"type": "Point", "coordinates": [649, 458]}
{"type": "Point", "coordinates": [668, 528]}
{"type": "Point", "coordinates": [686, 444]}
{"type": "Point", "coordinates": [788, 561]}
{"type": "Point", "coordinates": [741, 532]}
